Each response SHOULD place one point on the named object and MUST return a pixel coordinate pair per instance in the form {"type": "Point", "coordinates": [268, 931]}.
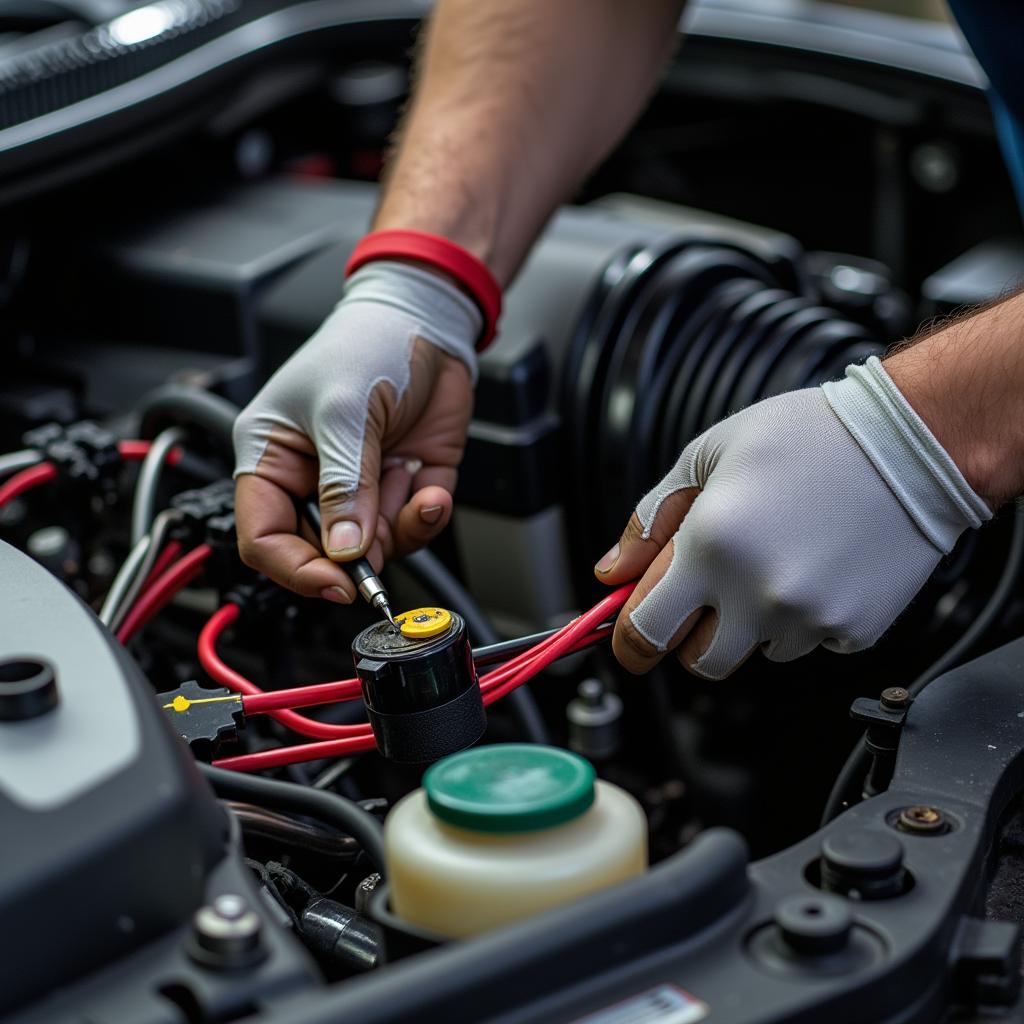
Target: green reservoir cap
{"type": "Point", "coordinates": [510, 787]}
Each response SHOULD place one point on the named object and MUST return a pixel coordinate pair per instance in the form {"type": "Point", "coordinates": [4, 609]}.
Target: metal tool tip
{"type": "Point", "coordinates": [385, 609]}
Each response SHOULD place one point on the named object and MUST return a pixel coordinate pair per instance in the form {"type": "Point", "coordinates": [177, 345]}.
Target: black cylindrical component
{"type": "Point", "coordinates": [814, 925]}
{"type": "Point", "coordinates": [864, 863]}
{"type": "Point", "coordinates": [338, 933]}
{"type": "Point", "coordinates": [422, 696]}
{"type": "Point", "coordinates": [226, 933]}
{"type": "Point", "coordinates": [28, 688]}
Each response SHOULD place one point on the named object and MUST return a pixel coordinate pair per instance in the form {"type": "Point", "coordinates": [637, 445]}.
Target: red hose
{"type": "Point", "coordinates": [577, 635]}
{"type": "Point", "coordinates": [162, 563]}
{"type": "Point", "coordinates": [303, 696]}
{"type": "Point", "coordinates": [133, 451]}
{"type": "Point", "coordinates": [163, 590]}
{"type": "Point", "coordinates": [24, 481]}
{"type": "Point", "coordinates": [227, 676]}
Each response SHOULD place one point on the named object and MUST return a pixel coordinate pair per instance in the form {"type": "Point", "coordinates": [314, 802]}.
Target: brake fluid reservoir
{"type": "Point", "coordinates": [502, 832]}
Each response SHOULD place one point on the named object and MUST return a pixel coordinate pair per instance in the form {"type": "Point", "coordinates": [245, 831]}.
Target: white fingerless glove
{"type": "Point", "coordinates": [323, 390]}
{"type": "Point", "coordinates": [821, 513]}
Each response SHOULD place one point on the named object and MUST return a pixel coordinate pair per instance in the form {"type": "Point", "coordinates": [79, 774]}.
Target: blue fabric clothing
{"type": "Point", "coordinates": [995, 31]}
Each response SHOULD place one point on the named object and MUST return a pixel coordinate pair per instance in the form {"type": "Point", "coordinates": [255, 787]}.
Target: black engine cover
{"type": "Point", "coordinates": [108, 830]}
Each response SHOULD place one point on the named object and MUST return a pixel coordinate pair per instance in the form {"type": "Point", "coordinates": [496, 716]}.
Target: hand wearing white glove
{"type": "Point", "coordinates": [372, 409]}
{"type": "Point", "coordinates": [810, 518]}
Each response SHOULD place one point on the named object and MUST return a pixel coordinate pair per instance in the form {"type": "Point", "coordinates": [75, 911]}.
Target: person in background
{"type": "Point", "coordinates": [810, 518]}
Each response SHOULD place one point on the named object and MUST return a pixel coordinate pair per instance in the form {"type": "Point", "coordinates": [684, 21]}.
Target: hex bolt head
{"type": "Point", "coordinates": [226, 933]}
{"type": "Point", "coordinates": [895, 697]}
{"type": "Point", "coordinates": [922, 820]}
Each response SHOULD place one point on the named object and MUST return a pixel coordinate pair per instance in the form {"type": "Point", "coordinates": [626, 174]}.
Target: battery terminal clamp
{"type": "Point", "coordinates": [420, 686]}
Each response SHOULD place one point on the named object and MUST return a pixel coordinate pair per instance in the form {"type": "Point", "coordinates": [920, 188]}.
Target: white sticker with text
{"type": "Point", "coordinates": [665, 1004]}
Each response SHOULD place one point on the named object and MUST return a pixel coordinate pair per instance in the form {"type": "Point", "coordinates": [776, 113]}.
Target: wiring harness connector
{"type": "Point", "coordinates": [206, 719]}
{"type": "Point", "coordinates": [85, 455]}
{"type": "Point", "coordinates": [208, 517]}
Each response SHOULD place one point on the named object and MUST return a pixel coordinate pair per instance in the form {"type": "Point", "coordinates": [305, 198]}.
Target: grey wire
{"type": "Point", "coordinates": [432, 572]}
{"type": "Point", "coordinates": [14, 462]}
{"type": "Point", "coordinates": [986, 618]}
{"type": "Point", "coordinates": [156, 537]}
{"type": "Point", "coordinates": [858, 763]}
{"type": "Point", "coordinates": [330, 775]}
{"type": "Point", "coordinates": [126, 575]}
{"type": "Point", "coordinates": [144, 503]}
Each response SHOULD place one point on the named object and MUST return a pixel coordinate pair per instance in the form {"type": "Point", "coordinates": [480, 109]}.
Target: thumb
{"type": "Point", "coordinates": [348, 516]}
{"type": "Point", "coordinates": [637, 548]}
{"type": "Point", "coordinates": [657, 517]}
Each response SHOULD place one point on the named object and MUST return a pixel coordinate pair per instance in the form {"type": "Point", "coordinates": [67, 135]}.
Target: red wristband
{"type": "Point", "coordinates": [438, 252]}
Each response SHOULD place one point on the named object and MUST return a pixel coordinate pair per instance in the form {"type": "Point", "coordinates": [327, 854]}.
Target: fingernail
{"type": "Point", "coordinates": [431, 514]}
{"type": "Point", "coordinates": [344, 538]}
{"type": "Point", "coordinates": [413, 466]}
{"type": "Point", "coordinates": [335, 594]}
{"type": "Point", "coordinates": [609, 559]}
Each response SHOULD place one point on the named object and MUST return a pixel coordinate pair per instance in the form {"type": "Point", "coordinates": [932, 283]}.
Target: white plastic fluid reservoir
{"type": "Point", "coordinates": [502, 832]}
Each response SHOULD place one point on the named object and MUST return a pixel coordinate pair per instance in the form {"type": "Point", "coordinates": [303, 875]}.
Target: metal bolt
{"type": "Point", "coordinates": [922, 820]}
{"type": "Point", "coordinates": [230, 907]}
{"type": "Point", "coordinates": [595, 719]}
{"type": "Point", "coordinates": [895, 697]}
{"type": "Point", "coordinates": [226, 933]}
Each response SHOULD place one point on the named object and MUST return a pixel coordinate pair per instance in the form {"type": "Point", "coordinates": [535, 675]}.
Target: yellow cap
{"type": "Point", "coordinates": [423, 623]}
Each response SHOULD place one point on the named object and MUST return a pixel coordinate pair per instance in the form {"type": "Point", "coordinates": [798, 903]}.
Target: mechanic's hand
{"type": "Point", "coordinates": [374, 406]}
{"type": "Point", "coordinates": [810, 518]}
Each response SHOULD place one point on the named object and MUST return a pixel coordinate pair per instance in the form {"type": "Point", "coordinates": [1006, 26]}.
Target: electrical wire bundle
{"type": "Point", "coordinates": [533, 656]}
{"type": "Point", "coordinates": [156, 571]}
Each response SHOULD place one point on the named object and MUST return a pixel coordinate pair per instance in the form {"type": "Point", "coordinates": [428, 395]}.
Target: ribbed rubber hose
{"type": "Point", "coordinates": [434, 575]}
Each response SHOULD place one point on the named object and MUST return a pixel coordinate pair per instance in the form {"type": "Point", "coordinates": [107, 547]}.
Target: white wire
{"type": "Point", "coordinates": [14, 462]}
{"type": "Point", "coordinates": [144, 503]}
{"type": "Point", "coordinates": [156, 538]}
{"type": "Point", "coordinates": [123, 580]}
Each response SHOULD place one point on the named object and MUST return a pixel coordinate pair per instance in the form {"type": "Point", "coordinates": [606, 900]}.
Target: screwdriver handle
{"type": "Point", "coordinates": [359, 569]}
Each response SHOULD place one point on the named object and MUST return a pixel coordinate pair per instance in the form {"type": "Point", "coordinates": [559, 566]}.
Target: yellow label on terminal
{"type": "Point", "coordinates": [182, 704]}
{"type": "Point", "coordinates": [423, 623]}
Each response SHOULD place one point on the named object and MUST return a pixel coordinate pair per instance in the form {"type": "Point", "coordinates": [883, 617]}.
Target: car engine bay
{"type": "Point", "coordinates": [192, 818]}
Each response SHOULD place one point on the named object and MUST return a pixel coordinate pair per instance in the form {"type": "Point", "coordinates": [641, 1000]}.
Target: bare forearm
{"type": "Point", "coordinates": [516, 101]}
{"type": "Point", "coordinates": [966, 381]}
